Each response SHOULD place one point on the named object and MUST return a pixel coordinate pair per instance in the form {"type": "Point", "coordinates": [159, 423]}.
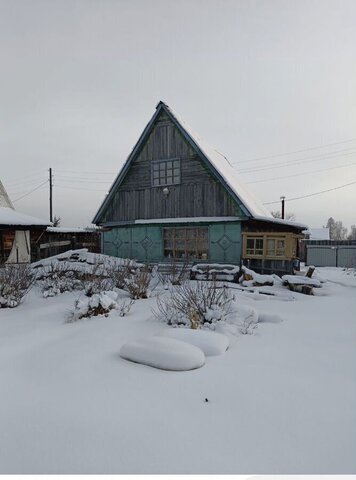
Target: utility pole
{"type": "Point", "coordinates": [50, 196]}
{"type": "Point", "coordinates": [283, 198]}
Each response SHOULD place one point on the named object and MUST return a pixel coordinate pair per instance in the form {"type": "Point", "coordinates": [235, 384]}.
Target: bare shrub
{"type": "Point", "coordinates": [97, 304]}
{"type": "Point", "coordinates": [120, 274]}
{"type": "Point", "coordinates": [15, 283]}
{"type": "Point", "coordinates": [125, 307]}
{"type": "Point", "coordinates": [137, 284]}
{"type": "Point", "coordinates": [195, 303]}
{"type": "Point", "coordinates": [58, 277]}
{"type": "Point", "coordinates": [174, 273]}
{"type": "Point", "coordinates": [248, 326]}
{"type": "Point", "coordinates": [97, 279]}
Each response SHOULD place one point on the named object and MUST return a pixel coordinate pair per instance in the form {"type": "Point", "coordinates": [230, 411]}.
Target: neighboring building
{"type": "Point", "coordinates": [176, 197]}
{"type": "Point", "coordinates": [18, 232]}
{"type": "Point", "coordinates": [56, 240]}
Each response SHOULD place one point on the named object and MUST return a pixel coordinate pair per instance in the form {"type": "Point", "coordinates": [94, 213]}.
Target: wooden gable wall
{"type": "Point", "coordinates": [198, 195]}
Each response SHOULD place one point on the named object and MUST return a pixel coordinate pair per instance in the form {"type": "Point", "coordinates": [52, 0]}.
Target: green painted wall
{"type": "Point", "coordinates": [225, 242]}
{"type": "Point", "coordinates": [145, 244]}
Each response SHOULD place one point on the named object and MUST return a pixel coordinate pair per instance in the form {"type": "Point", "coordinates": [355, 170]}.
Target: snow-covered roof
{"type": "Point", "coordinates": [219, 164]}
{"type": "Point", "coordinates": [225, 169]}
{"type": "Point", "coordinates": [72, 229]}
{"type": "Point", "coordinates": [8, 216]}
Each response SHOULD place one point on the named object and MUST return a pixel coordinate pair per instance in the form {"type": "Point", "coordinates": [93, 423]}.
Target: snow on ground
{"type": "Point", "coordinates": [279, 401]}
{"type": "Point", "coordinates": [211, 343]}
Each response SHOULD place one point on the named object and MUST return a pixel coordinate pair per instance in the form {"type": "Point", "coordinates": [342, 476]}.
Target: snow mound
{"type": "Point", "coordinates": [244, 313]}
{"type": "Point", "coordinates": [164, 353]}
{"type": "Point", "coordinates": [210, 343]}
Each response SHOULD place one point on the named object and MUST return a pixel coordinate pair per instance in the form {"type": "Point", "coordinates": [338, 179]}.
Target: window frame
{"type": "Point", "coordinates": [255, 239]}
{"type": "Point", "coordinates": [180, 242]}
{"type": "Point", "coordinates": [290, 245]}
{"type": "Point", "coordinates": [176, 178]}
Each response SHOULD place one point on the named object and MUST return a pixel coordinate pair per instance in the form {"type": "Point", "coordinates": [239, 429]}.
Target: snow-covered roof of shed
{"type": "Point", "coordinates": [9, 216]}
{"type": "Point", "coordinates": [72, 229]}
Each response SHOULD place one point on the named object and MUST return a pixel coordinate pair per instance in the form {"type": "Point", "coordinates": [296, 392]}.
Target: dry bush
{"type": "Point", "coordinates": [195, 303]}
{"type": "Point", "coordinates": [58, 277]}
{"type": "Point", "coordinates": [125, 307]}
{"type": "Point", "coordinates": [174, 273]}
{"type": "Point", "coordinates": [121, 273]}
{"type": "Point", "coordinates": [15, 282]}
{"type": "Point", "coordinates": [98, 304]}
{"type": "Point", "coordinates": [137, 284]}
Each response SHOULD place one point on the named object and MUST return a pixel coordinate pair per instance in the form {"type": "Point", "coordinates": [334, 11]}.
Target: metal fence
{"type": "Point", "coordinates": [336, 255]}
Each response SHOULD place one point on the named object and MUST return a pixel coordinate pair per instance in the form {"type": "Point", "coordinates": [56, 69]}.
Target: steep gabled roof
{"type": "Point", "coordinates": [216, 162]}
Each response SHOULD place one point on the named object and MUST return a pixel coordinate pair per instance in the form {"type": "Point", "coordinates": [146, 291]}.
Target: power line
{"type": "Point", "coordinates": [28, 193]}
{"type": "Point", "coordinates": [81, 180]}
{"type": "Point", "coordinates": [79, 188]}
{"type": "Point", "coordinates": [296, 151]}
{"type": "Point", "coordinates": [17, 190]}
{"type": "Point", "coordinates": [29, 178]}
{"type": "Point", "coordinates": [313, 194]}
{"type": "Point", "coordinates": [291, 163]}
{"type": "Point", "coordinates": [302, 173]}
{"type": "Point", "coordinates": [86, 172]}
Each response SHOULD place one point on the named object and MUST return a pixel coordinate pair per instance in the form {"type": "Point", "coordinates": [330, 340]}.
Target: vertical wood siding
{"type": "Point", "coordinates": [198, 195]}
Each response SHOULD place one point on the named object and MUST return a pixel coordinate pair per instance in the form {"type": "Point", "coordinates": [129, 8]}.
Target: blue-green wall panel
{"type": "Point", "coordinates": [225, 243]}
{"type": "Point", "coordinates": [144, 242]}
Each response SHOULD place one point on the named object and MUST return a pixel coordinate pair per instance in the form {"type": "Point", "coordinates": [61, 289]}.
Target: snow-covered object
{"type": "Point", "coordinates": [223, 272]}
{"type": "Point", "coordinates": [300, 280]}
{"type": "Point", "coordinates": [97, 304]}
{"type": "Point", "coordinates": [244, 313]}
{"type": "Point", "coordinates": [211, 343]}
{"type": "Point", "coordinates": [8, 216]}
{"type": "Point", "coordinates": [164, 353]}
{"type": "Point", "coordinates": [83, 261]}
{"type": "Point", "coordinates": [72, 229]}
{"type": "Point", "coordinates": [258, 278]}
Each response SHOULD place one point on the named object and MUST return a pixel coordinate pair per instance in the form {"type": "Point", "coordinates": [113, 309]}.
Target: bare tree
{"type": "Point", "coordinates": [352, 235]}
{"type": "Point", "coordinates": [336, 229]}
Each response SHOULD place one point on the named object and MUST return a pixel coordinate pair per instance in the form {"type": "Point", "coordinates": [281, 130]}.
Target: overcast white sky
{"type": "Point", "coordinates": [80, 80]}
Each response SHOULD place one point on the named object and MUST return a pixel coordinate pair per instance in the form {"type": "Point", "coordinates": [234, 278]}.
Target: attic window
{"type": "Point", "coordinates": [165, 172]}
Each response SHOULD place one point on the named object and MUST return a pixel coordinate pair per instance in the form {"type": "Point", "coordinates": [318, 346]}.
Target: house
{"type": "Point", "coordinates": [177, 198]}
{"type": "Point", "coordinates": [18, 232]}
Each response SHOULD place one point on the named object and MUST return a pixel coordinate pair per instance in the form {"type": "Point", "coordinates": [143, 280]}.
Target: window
{"type": "Point", "coordinates": [165, 172]}
{"type": "Point", "coordinates": [254, 246]}
{"type": "Point", "coordinates": [186, 243]}
{"type": "Point", "coordinates": [275, 247]}
{"type": "Point", "coordinates": [268, 245]}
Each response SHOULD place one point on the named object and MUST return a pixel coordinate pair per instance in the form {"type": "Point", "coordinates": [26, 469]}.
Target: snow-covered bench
{"type": "Point", "coordinates": [215, 271]}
